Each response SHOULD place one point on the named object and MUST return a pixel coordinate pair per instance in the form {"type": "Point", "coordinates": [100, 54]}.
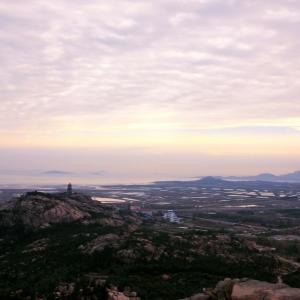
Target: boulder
{"type": "Point", "coordinates": [113, 294]}
{"type": "Point", "coordinates": [247, 289]}
{"type": "Point", "coordinates": [259, 290]}
{"type": "Point", "coordinates": [224, 288]}
{"type": "Point", "coordinates": [200, 296]}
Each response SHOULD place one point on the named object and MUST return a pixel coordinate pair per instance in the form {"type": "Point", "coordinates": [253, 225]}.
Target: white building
{"type": "Point", "coordinates": [171, 216]}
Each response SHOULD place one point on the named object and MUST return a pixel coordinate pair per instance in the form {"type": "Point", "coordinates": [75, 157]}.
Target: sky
{"type": "Point", "coordinates": [136, 89]}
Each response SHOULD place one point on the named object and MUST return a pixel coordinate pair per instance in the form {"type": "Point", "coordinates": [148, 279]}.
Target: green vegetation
{"type": "Point", "coordinates": [179, 270]}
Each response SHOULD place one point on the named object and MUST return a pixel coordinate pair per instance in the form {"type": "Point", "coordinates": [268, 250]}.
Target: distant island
{"type": "Point", "coordinates": [57, 173]}
{"type": "Point", "coordinates": [290, 177]}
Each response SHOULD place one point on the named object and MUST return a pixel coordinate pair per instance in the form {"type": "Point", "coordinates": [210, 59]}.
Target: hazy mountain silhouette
{"type": "Point", "coordinates": [290, 177]}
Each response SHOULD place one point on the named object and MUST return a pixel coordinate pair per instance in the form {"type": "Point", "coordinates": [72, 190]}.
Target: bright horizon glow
{"type": "Point", "coordinates": [165, 80]}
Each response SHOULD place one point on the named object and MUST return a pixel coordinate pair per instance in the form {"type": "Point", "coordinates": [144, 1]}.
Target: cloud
{"type": "Point", "coordinates": [191, 63]}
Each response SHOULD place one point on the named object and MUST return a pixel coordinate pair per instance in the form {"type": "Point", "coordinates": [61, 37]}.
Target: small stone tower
{"type": "Point", "coordinates": [69, 189]}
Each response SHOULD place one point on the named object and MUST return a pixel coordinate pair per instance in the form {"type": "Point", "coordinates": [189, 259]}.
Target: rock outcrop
{"type": "Point", "coordinates": [257, 290]}
{"type": "Point", "coordinates": [37, 210]}
{"type": "Point", "coordinates": [247, 289]}
{"type": "Point", "coordinates": [114, 294]}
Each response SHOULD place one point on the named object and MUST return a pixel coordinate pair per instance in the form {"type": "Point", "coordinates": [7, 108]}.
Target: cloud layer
{"type": "Point", "coordinates": [184, 64]}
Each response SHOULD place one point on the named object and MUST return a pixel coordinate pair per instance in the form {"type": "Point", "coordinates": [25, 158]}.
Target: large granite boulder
{"type": "Point", "coordinates": [248, 289]}
{"type": "Point", "coordinates": [259, 290]}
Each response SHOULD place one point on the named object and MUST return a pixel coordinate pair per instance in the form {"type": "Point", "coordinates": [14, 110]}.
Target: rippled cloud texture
{"type": "Point", "coordinates": [213, 76]}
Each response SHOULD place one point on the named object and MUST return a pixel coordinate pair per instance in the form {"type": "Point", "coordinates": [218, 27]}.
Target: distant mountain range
{"type": "Point", "coordinates": [290, 177]}
{"type": "Point", "coordinates": [232, 181]}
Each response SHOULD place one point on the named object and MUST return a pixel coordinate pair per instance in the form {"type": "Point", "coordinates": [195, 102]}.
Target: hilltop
{"type": "Point", "coordinates": [35, 210]}
{"type": "Point", "coordinates": [68, 246]}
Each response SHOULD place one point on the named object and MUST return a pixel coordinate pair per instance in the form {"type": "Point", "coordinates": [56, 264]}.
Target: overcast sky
{"type": "Point", "coordinates": [189, 78]}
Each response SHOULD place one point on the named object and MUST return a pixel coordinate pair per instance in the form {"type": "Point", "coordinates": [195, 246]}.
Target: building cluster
{"type": "Point", "coordinates": [171, 216]}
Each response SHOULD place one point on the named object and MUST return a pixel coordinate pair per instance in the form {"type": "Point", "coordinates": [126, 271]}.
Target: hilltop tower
{"type": "Point", "coordinates": [69, 189]}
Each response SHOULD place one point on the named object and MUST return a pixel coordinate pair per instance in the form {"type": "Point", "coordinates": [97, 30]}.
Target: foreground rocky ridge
{"type": "Point", "coordinates": [229, 289]}
{"type": "Point", "coordinates": [247, 289]}
{"type": "Point", "coordinates": [36, 210]}
{"type": "Point", "coordinates": [62, 246]}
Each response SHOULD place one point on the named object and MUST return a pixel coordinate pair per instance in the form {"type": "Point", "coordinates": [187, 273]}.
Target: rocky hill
{"type": "Point", "coordinates": [67, 246]}
{"type": "Point", "coordinates": [36, 210]}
